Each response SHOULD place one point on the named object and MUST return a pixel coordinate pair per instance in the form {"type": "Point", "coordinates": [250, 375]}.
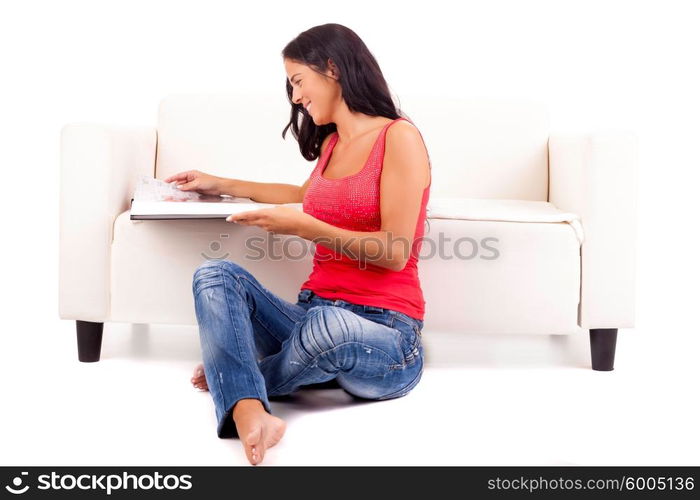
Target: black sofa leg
{"type": "Point", "coordinates": [89, 340]}
{"type": "Point", "coordinates": [603, 341]}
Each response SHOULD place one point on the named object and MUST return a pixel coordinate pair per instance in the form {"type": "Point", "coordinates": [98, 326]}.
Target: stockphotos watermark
{"type": "Point", "coordinates": [290, 248]}
{"type": "Point", "coordinates": [103, 482]}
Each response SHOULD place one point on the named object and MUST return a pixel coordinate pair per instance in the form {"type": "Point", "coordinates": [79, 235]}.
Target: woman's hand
{"type": "Point", "coordinates": [278, 219]}
{"type": "Point", "coordinates": [194, 180]}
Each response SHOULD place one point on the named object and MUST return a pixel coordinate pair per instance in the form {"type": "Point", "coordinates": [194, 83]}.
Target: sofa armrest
{"type": "Point", "coordinates": [595, 176]}
{"type": "Point", "coordinates": [100, 165]}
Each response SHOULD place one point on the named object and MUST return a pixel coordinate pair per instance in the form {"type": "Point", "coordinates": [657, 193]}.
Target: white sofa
{"type": "Point", "coordinates": [547, 221]}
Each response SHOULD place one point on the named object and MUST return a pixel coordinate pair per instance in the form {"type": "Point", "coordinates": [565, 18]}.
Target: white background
{"type": "Point", "coordinates": [597, 65]}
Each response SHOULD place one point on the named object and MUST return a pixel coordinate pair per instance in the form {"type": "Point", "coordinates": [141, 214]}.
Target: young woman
{"type": "Point", "coordinates": [359, 316]}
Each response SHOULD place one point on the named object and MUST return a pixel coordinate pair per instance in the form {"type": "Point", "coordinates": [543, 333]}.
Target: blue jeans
{"type": "Point", "coordinates": [257, 345]}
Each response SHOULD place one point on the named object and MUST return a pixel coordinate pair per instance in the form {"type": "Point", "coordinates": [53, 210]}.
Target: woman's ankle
{"type": "Point", "coordinates": [246, 405]}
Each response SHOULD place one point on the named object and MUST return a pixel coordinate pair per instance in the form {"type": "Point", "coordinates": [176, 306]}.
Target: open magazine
{"type": "Point", "coordinates": [155, 199]}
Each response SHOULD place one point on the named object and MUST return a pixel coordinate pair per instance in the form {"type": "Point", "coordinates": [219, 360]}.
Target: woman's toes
{"type": "Point", "coordinates": [198, 378]}
{"type": "Point", "coordinates": [254, 446]}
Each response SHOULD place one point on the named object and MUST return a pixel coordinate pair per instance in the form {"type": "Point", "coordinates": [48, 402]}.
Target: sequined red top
{"type": "Point", "coordinates": [352, 202]}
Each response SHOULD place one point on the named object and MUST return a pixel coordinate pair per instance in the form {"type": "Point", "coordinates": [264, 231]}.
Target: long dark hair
{"type": "Point", "coordinates": [363, 86]}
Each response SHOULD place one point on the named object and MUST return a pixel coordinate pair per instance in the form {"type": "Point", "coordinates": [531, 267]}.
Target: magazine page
{"type": "Point", "coordinates": [156, 199]}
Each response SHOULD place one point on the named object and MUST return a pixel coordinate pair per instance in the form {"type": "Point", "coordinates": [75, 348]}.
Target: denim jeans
{"type": "Point", "coordinates": [257, 345]}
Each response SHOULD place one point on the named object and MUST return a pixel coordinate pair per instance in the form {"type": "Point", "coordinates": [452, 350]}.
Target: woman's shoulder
{"type": "Point", "coordinates": [405, 123]}
{"type": "Point", "coordinates": [403, 128]}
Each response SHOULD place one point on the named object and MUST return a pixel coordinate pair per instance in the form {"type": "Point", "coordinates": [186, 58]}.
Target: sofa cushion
{"type": "Point", "coordinates": [471, 271]}
{"type": "Point", "coordinates": [505, 277]}
{"type": "Point", "coordinates": [502, 210]}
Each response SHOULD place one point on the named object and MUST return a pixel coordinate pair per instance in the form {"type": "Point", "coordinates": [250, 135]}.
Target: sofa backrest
{"type": "Point", "coordinates": [479, 147]}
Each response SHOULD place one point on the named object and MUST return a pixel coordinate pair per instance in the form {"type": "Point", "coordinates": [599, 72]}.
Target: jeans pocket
{"type": "Point", "coordinates": [409, 340]}
{"type": "Point", "coordinates": [418, 324]}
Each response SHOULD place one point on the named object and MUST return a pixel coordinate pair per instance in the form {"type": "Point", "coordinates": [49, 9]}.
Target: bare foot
{"type": "Point", "coordinates": [257, 429]}
{"type": "Point", "coordinates": [198, 379]}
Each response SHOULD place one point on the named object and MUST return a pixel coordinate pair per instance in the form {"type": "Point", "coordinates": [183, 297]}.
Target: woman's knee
{"type": "Point", "coordinates": [213, 268]}
{"type": "Point", "coordinates": [324, 328]}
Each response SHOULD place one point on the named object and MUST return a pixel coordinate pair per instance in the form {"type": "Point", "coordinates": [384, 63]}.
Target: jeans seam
{"type": "Point", "coordinates": [405, 387]}
{"type": "Point", "coordinates": [213, 361]}
{"type": "Point", "coordinates": [401, 365]}
{"type": "Point", "coordinates": [267, 328]}
{"type": "Point", "coordinates": [238, 344]}
{"type": "Point", "coordinates": [415, 341]}
{"type": "Point", "coordinates": [287, 382]}
{"type": "Point", "coordinates": [218, 379]}
{"type": "Point", "coordinates": [267, 297]}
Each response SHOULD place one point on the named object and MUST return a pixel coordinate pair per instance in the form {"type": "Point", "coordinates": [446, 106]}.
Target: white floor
{"type": "Point", "coordinates": [507, 400]}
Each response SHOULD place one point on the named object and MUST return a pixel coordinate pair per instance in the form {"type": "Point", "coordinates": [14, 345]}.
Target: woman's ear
{"type": "Point", "coordinates": [333, 69]}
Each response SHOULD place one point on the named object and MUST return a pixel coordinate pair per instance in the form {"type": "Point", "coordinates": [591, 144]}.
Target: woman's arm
{"type": "Point", "coordinates": [374, 247]}
{"type": "Point", "coordinates": [405, 174]}
{"type": "Point", "coordinates": [262, 192]}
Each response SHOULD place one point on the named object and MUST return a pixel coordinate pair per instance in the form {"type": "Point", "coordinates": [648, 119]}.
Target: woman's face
{"type": "Point", "coordinates": [323, 93]}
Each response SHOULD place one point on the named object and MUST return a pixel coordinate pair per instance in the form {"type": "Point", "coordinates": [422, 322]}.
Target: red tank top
{"type": "Point", "coordinates": [352, 202]}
